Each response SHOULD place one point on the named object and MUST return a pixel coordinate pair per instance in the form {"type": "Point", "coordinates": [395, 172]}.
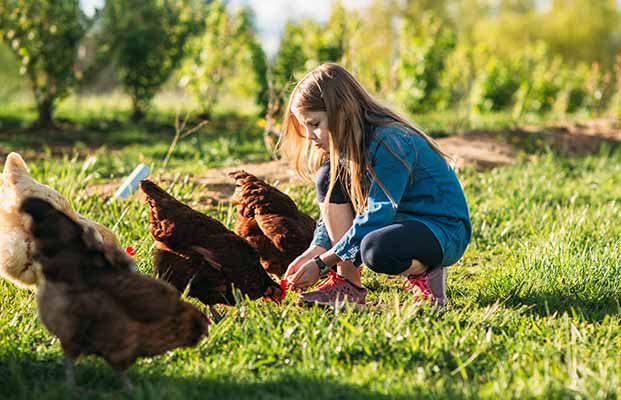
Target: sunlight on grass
{"type": "Point", "coordinates": [534, 305]}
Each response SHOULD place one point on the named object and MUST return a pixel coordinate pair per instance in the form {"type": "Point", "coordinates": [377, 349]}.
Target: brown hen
{"type": "Point", "coordinates": [93, 301]}
{"type": "Point", "coordinates": [271, 222]}
{"type": "Point", "coordinates": [194, 249]}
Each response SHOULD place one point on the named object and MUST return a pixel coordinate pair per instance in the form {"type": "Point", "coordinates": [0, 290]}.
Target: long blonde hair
{"type": "Point", "coordinates": [349, 107]}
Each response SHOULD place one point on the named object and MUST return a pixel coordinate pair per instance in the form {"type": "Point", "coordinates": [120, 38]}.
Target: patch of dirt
{"type": "Point", "coordinates": [480, 149]}
{"type": "Point", "coordinates": [488, 149]}
{"type": "Point", "coordinates": [477, 149]}
{"type": "Point", "coordinates": [218, 187]}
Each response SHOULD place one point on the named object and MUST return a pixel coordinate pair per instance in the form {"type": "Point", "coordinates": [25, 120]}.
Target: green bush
{"type": "Point", "coordinates": [573, 94]}
{"type": "Point", "coordinates": [540, 81]}
{"type": "Point", "coordinates": [496, 84]}
{"type": "Point", "coordinates": [457, 79]}
{"type": "Point", "coordinates": [423, 48]}
{"type": "Point", "coordinates": [614, 108]}
{"type": "Point", "coordinates": [586, 87]}
{"type": "Point", "coordinates": [289, 63]}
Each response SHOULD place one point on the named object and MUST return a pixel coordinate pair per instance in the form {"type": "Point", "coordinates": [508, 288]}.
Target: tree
{"type": "Point", "coordinates": [596, 30]}
{"type": "Point", "coordinates": [290, 61]}
{"type": "Point", "coordinates": [335, 35]}
{"type": "Point", "coordinates": [371, 52]}
{"type": "Point", "coordinates": [424, 46]}
{"type": "Point", "coordinates": [258, 60]}
{"type": "Point", "coordinates": [147, 38]}
{"type": "Point", "coordinates": [216, 56]}
{"type": "Point", "coordinates": [260, 68]}
{"type": "Point", "coordinates": [45, 35]}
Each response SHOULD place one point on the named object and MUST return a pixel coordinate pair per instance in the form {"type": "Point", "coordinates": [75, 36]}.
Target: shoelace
{"type": "Point", "coordinates": [285, 285]}
{"type": "Point", "coordinates": [419, 281]}
{"type": "Point", "coordinates": [331, 279]}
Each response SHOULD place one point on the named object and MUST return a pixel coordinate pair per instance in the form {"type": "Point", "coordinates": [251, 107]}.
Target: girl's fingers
{"type": "Point", "coordinates": [295, 278]}
{"type": "Point", "coordinates": [294, 282]}
{"type": "Point", "coordinates": [299, 280]}
{"type": "Point", "coordinates": [294, 266]}
{"type": "Point", "coordinates": [302, 281]}
{"type": "Point", "coordinates": [292, 269]}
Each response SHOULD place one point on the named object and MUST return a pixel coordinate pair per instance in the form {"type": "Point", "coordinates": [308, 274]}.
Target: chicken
{"type": "Point", "coordinates": [194, 249]}
{"type": "Point", "coordinates": [91, 298]}
{"type": "Point", "coordinates": [271, 222]}
{"type": "Point", "coordinates": [16, 244]}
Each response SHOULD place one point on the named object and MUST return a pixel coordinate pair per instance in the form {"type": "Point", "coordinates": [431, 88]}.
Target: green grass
{"type": "Point", "coordinates": [534, 311]}
{"type": "Point", "coordinates": [99, 127]}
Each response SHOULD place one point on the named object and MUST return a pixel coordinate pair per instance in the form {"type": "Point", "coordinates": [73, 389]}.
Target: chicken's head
{"type": "Point", "coordinates": [17, 180]}
{"type": "Point", "coordinates": [64, 247]}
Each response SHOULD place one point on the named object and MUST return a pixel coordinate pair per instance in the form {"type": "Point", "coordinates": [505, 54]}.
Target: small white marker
{"type": "Point", "coordinates": [130, 185]}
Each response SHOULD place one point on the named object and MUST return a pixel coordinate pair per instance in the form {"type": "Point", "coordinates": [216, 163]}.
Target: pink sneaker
{"type": "Point", "coordinates": [428, 287]}
{"type": "Point", "coordinates": [334, 290]}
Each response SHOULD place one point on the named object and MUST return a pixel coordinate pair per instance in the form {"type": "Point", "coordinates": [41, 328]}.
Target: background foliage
{"type": "Point", "coordinates": [44, 35]}
{"type": "Point", "coordinates": [521, 56]}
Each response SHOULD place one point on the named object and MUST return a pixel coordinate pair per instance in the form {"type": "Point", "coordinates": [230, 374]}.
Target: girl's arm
{"type": "Point", "coordinates": [319, 245]}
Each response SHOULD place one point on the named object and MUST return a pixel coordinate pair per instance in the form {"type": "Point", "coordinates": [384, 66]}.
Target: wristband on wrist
{"type": "Point", "coordinates": [323, 267]}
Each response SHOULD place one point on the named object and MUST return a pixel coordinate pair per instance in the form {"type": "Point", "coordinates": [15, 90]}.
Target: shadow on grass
{"type": "Point", "coordinates": [30, 376]}
{"type": "Point", "coordinates": [88, 134]}
{"type": "Point", "coordinates": [10, 122]}
{"type": "Point", "coordinates": [546, 304]}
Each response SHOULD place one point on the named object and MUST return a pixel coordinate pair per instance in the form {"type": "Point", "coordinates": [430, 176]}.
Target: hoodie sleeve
{"type": "Point", "coordinates": [392, 160]}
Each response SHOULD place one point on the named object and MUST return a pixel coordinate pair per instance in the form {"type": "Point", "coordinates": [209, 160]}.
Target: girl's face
{"type": "Point", "coordinates": [315, 124]}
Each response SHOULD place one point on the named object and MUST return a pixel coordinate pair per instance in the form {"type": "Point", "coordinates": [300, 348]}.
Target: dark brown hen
{"type": "Point", "coordinates": [194, 249]}
{"type": "Point", "coordinates": [95, 303]}
{"type": "Point", "coordinates": [271, 222]}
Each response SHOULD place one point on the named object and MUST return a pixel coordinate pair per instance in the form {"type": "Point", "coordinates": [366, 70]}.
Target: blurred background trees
{"type": "Point", "coordinates": [146, 38]}
{"type": "Point", "coordinates": [44, 36]}
{"type": "Point", "coordinates": [477, 56]}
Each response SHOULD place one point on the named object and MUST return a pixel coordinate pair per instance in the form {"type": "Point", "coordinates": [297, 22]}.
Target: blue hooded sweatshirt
{"type": "Point", "coordinates": [426, 191]}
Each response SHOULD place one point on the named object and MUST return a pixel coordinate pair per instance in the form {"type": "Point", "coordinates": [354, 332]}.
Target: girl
{"type": "Point", "coordinates": [388, 197]}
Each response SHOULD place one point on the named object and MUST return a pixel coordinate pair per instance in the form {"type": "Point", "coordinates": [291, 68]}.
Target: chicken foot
{"type": "Point", "coordinates": [70, 372]}
{"type": "Point", "coordinates": [125, 382]}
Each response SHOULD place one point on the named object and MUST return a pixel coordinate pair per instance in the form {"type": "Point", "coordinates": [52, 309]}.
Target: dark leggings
{"type": "Point", "coordinates": [391, 249]}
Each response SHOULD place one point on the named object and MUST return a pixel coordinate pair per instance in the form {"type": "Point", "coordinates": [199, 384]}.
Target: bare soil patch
{"type": "Point", "coordinates": [480, 149]}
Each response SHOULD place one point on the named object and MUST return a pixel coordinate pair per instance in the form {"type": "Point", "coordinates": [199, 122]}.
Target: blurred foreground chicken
{"type": "Point", "coordinates": [93, 301]}
{"type": "Point", "coordinates": [194, 249]}
{"type": "Point", "coordinates": [271, 222]}
{"type": "Point", "coordinates": [16, 244]}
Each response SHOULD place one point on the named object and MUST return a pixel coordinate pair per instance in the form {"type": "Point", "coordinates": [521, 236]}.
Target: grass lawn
{"type": "Point", "coordinates": [534, 310]}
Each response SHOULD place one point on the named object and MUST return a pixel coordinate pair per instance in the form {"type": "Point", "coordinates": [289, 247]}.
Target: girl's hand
{"type": "Point", "coordinates": [302, 259]}
{"type": "Point", "coordinates": [305, 276]}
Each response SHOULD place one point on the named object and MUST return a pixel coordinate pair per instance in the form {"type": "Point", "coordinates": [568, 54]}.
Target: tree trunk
{"type": "Point", "coordinates": [45, 109]}
{"type": "Point", "coordinates": [138, 114]}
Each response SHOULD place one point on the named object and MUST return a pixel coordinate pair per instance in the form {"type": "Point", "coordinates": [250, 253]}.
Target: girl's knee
{"type": "Point", "coordinates": [371, 253]}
